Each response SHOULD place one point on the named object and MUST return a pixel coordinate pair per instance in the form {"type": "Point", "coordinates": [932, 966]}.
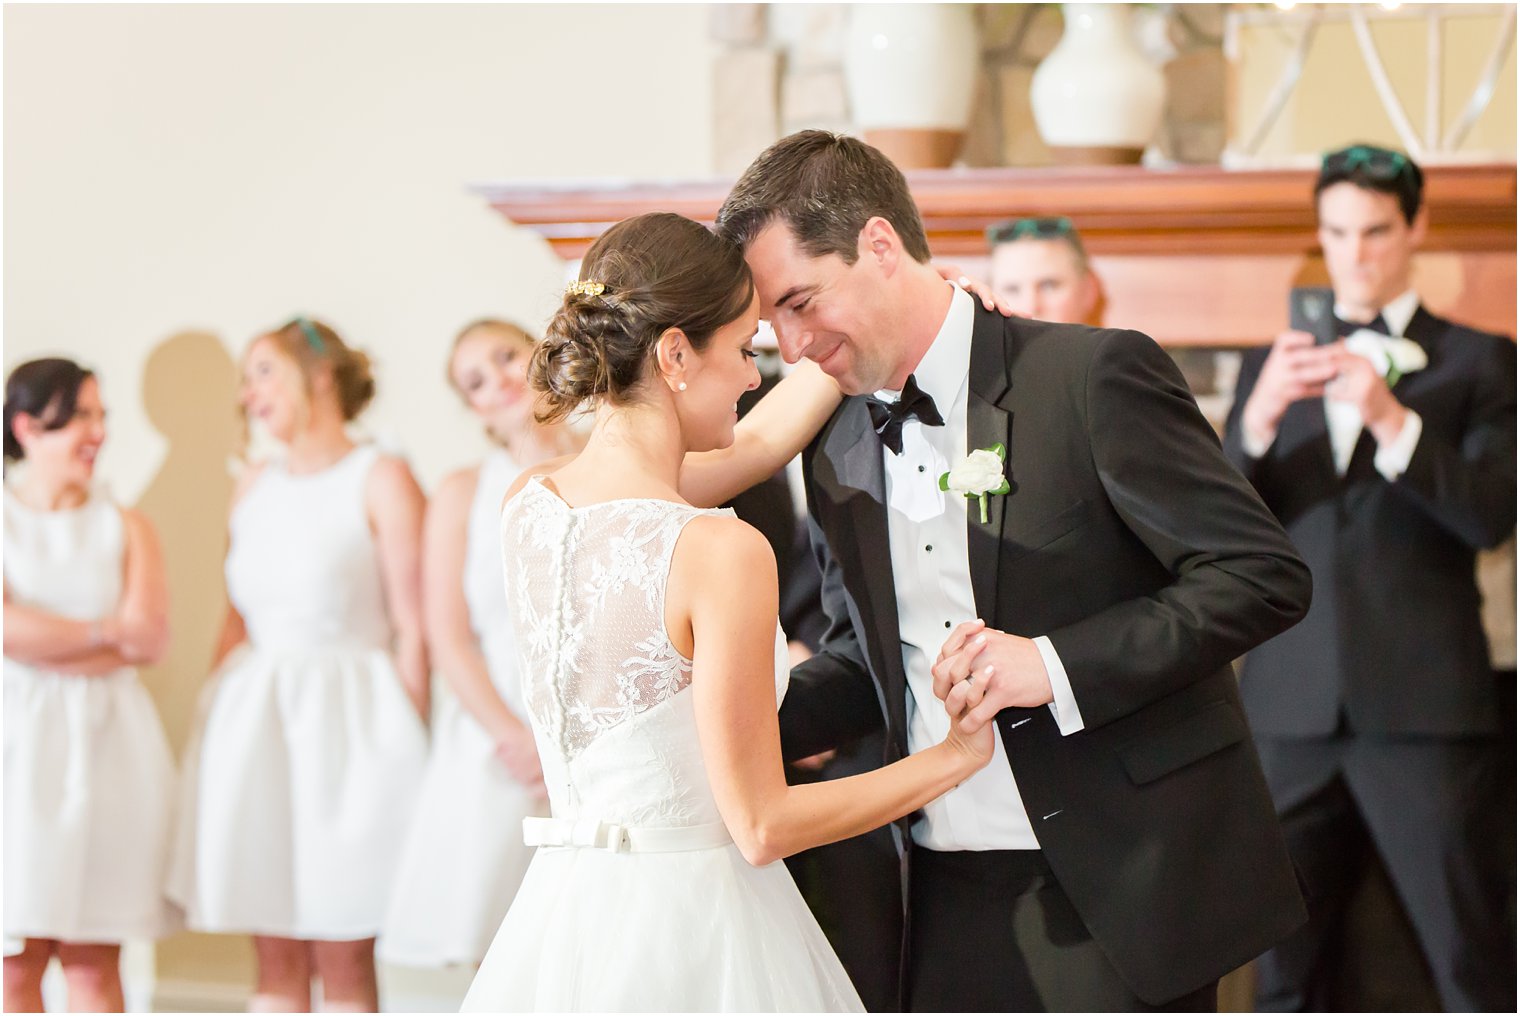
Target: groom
{"type": "Point", "coordinates": [1120, 852]}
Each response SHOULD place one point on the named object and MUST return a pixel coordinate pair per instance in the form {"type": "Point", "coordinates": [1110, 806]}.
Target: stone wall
{"type": "Point", "coordinates": [779, 69]}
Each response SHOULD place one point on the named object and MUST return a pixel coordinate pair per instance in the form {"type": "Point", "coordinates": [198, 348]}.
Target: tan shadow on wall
{"type": "Point", "coordinates": [190, 396]}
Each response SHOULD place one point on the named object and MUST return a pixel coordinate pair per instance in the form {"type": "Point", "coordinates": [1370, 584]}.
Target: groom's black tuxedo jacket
{"type": "Point", "coordinates": [1394, 641]}
{"type": "Point", "coordinates": [1131, 542]}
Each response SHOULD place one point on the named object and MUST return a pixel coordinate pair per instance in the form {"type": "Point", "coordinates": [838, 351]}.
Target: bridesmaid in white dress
{"type": "Point", "coordinates": [652, 664]}
{"type": "Point", "coordinates": [311, 744]}
{"type": "Point", "coordinates": [465, 854]}
{"type": "Point", "coordinates": [88, 773]}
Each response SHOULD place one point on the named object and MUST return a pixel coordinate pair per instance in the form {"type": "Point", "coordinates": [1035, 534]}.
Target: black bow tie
{"type": "Point", "coordinates": [1344, 328]}
{"type": "Point", "coordinates": [888, 417]}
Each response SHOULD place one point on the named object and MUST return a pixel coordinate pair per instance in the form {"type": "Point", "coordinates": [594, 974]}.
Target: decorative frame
{"type": "Point", "coordinates": [1429, 145]}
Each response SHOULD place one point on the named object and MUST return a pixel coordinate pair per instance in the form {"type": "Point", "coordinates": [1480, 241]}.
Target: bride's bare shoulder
{"type": "Point", "coordinates": [724, 548]}
{"type": "Point", "coordinates": [723, 571]}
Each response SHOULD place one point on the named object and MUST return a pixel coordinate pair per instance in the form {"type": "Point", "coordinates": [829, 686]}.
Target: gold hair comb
{"type": "Point", "coordinates": [585, 288]}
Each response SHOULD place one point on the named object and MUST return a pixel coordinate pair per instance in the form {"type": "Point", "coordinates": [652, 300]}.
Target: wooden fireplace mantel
{"type": "Point", "coordinates": [1119, 210]}
{"type": "Point", "coordinates": [1196, 255]}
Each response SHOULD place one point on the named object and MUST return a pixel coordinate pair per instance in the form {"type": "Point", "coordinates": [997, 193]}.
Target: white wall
{"type": "Point", "coordinates": [219, 168]}
{"type": "Point", "coordinates": [173, 172]}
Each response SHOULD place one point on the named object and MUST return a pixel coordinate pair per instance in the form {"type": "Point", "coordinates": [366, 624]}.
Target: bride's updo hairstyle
{"type": "Point", "coordinates": [645, 275]}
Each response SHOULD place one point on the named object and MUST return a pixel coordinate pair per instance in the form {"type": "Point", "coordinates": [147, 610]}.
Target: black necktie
{"type": "Point", "coordinates": [1344, 328]}
{"type": "Point", "coordinates": [888, 417]}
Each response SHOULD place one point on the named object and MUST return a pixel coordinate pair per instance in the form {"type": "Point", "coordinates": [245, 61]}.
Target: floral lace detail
{"type": "Point", "coordinates": [543, 639]}
{"type": "Point", "coordinates": [661, 667]}
{"type": "Point", "coordinates": [628, 561]}
{"type": "Point", "coordinates": [585, 587]}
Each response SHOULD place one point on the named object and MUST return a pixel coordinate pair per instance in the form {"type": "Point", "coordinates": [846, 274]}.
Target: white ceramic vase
{"type": "Point", "coordinates": [910, 71]}
{"type": "Point", "coordinates": [1096, 97]}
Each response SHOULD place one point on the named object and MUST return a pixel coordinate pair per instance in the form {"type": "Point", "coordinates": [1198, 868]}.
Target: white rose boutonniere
{"type": "Point", "coordinates": [978, 475]}
{"type": "Point", "coordinates": [1390, 357]}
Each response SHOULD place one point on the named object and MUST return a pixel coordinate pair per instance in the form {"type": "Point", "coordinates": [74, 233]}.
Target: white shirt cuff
{"type": "Point", "coordinates": [1253, 444]}
{"type": "Point", "coordinates": [1393, 458]}
{"type": "Point", "coordinates": [1064, 708]}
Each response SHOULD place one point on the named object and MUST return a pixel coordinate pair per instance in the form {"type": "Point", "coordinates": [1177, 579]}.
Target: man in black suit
{"type": "Point", "coordinates": [1120, 851]}
{"type": "Point", "coordinates": [1377, 715]}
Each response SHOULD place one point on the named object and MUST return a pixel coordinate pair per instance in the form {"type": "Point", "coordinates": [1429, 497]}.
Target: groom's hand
{"type": "Point", "coordinates": [983, 671]}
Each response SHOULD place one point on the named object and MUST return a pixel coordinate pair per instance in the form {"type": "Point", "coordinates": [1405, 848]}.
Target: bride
{"type": "Point", "coordinates": [652, 663]}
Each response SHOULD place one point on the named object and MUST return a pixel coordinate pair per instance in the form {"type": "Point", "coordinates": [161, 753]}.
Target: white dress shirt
{"type": "Point", "coordinates": [1344, 421]}
{"type": "Point", "coordinates": [931, 571]}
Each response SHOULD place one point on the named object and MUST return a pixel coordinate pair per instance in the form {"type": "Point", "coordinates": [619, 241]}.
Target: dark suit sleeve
{"type": "Point", "coordinates": [831, 698]}
{"type": "Point", "coordinates": [1234, 447]}
{"type": "Point", "coordinates": [1469, 488]}
{"type": "Point", "coordinates": [1237, 581]}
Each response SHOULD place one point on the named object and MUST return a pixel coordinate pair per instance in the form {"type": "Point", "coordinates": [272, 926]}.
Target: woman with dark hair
{"type": "Point", "coordinates": [88, 773]}
{"type": "Point", "coordinates": [311, 743]}
{"type": "Point", "coordinates": [465, 855]}
{"type": "Point", "coordinates": [652, 663]}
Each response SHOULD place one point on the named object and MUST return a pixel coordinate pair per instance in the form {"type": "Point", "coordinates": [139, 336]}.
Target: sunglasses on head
{"type": "Point", "coordinates": [1042, 228]}
{"type": "Point", "coordinates": [1381, 164]}
{"type": "Point", "coordinates": [313, 337]}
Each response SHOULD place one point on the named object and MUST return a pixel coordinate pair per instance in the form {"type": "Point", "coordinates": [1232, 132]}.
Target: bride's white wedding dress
{"type": "Point", "coordinates": [637, 899]}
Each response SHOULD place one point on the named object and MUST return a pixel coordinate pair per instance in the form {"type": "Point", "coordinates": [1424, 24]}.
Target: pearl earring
{"type": "Point", "coordinates": [681, 387]}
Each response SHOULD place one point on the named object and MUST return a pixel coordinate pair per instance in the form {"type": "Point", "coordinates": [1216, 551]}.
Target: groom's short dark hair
{"type": "Point", "coordinates": [825, 187]}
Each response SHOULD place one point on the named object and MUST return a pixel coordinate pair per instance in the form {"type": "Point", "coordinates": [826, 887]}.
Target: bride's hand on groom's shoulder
{"type": "Point", "coordinates": [982, 671]}
{"type": "Point", "coordinates": [976, 287]}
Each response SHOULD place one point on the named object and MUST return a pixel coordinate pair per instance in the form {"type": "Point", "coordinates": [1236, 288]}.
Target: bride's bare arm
{"type": "Point", "coordinates": [721, 602]}
{"type": "Point", "coordinates": [770, 435]}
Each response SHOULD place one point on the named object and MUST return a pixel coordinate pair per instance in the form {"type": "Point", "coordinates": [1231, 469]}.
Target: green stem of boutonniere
{"type": "Point", "coordinates": [981, 475]}
{"type": "Point", "coordinates": [1392, 377]}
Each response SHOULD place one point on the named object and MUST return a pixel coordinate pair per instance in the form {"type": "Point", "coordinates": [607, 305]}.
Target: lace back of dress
{"type": "Point", "coordinates": [586, 589]}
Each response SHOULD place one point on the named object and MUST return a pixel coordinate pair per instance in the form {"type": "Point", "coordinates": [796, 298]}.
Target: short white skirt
{"type": "Point", "coordinates": [297, 793]}
{"type": "Point", "coordinates": [89, 787]}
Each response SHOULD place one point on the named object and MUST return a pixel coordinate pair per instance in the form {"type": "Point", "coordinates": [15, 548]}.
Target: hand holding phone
{"type": "Point", "coordinates": [1312, 309]}
{"type": "Point", "coordinates": [1302, 362]}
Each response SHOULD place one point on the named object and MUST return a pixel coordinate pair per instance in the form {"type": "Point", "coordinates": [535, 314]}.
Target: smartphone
{"type": "Point", "coordinates": [1312, 309]}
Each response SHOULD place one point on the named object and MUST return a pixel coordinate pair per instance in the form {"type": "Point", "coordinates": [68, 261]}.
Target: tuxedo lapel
{"type": "Point", "coordinates": [987, 424]}
{"type": "Point", "coordinates": [855, 452]}
{"type": "Point", "coordinates": [1424, 328]}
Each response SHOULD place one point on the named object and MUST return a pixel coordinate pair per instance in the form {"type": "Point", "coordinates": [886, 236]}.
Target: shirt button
{"type": "Point", "coordinates": [947, 624]}
{"type": "Point", "coordinates": [920, 469]}
{"type": "Point", "coordinates": [929, 546]}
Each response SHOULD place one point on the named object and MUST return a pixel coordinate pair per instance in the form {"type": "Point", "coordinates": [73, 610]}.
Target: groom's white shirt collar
{"type": "Point", "coordinates": [946, 364]}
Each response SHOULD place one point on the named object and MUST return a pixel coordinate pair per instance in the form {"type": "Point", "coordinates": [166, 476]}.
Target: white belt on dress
{"type": "Point", "coordinates": [591, 832]}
